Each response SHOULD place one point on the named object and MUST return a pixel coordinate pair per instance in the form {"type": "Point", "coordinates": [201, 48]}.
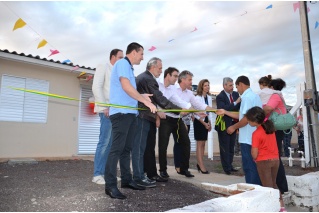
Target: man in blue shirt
{"type": "Point", "coordinates": [123, 92]}
{"type": "Point", "coordinates": [249, 99]}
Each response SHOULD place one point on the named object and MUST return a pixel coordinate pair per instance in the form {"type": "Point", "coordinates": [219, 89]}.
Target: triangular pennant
{"type": "Point", "coordinates": [53, 52]}
{"type": "Point", "coordinates": [19, 24]}
{"type": "Point", "coordinates": [82, 73]}
{"type": "Point", "coordinates": [42, 43]}
{"type": "Point", "coordinates": [75, 68]}
{"type": "Point", "coordinates": [89, 77]}
{"type": "Point", "coordinates": [66, 61]}
{"type": "Point", "coordinates": [270, 6]}
{"type": "Point", "coordinates": [194, 29]}
{"type": "Point", "coordinates": [152, 48]}
{"type": "Point", "coordinates": [317, 24]}
{"type": "Point", "coordinates": [296, 6]}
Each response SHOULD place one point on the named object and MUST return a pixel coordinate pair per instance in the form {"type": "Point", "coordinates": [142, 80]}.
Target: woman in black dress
{"type": "Point", "coordinates": [202, 125]}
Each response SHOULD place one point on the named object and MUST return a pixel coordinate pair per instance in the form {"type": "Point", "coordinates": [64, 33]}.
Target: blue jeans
{"type": "Point", "coordinates": [104, 145]}
{"type": "Point", "coordinates": [249, 166]}
{"type": "Point", "coordinates": [138, 149]}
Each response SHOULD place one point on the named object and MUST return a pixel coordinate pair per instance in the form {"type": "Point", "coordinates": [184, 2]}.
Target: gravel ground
{"type": "Point", "coordinates": [66, 186]}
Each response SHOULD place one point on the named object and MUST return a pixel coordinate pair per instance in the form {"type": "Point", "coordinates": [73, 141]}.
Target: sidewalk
{"type": "Point", "coordinates": [216, 178]}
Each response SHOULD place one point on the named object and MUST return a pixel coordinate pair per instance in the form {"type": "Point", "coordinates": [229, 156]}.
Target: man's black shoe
{"type": "Point", "coordinates": [164, 174]}
{"type": "Point", "coordinates": [228, 173]}
{"type": "Point", "coordinates": [187, 173]}
{"type": "Point", "coordinates": [114, 193]}
{"type": "Point", "coordinates": [158, 178]}
{"type": "Point", "coordinates": [234, 170]}
{"type": "Point", "coordinates": [132, 185]}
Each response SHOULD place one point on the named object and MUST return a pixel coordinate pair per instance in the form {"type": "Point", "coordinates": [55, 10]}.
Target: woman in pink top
{"type": "Point", "coordinates": [276, 103]}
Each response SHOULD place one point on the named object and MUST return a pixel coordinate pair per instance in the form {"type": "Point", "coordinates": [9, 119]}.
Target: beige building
{"type": "Point", "coordinates": [39, 126]}
{"type": "Point", "coordinates": [36, 126]}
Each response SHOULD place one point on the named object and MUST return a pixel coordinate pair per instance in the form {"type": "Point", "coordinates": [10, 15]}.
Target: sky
{"type": "Point", "coordinates": [212, 39]}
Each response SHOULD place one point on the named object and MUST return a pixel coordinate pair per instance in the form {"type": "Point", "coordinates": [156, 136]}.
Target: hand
{"type": "Point", "coordinates": [231, 130]}
{"type": "Point", "coordinates": [158, 122]}
{"type": "Point", "coordinates": [162, 115]}
{"type": "Point", "coordinates": [238, 100]}
{"type": "Point", "coordinates": [106, 112]}
{"type": "Point", "coordinates": [151, 106]}
{"type": "Point", "coordinates": [201, 114]}
{"type": "Point", "coordinates": [147, 96]}
{"type": "Point", "coordinates": [184, 113]}
{"type": "Point", "coordinates": [220, 112]}
{"type": "Point", "coordinates": [207, 126]}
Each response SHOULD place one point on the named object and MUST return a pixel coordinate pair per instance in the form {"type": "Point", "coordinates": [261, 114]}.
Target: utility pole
{"type": "Point", "coordinates": [310, 85]}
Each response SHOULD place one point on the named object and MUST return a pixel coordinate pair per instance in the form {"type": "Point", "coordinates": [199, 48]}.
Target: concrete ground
{"type": "Point", "coordinates": [216, 178]}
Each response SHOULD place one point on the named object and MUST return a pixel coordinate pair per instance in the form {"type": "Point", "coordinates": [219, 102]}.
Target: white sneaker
{"type": "Point", "coordinates": [98, 179]}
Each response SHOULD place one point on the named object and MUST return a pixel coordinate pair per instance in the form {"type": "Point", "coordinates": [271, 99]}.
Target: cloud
{"type": "Point", "coordinates": [233, 38]}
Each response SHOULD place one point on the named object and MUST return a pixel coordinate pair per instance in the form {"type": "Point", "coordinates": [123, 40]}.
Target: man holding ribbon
{"type": "Point", "coordinates": [123, 93]}
{"type": "Point", "coordinates": [228, 100]}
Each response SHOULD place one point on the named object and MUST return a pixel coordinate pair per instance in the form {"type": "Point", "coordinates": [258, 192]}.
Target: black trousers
{"type": "Point", "coordinates": [123, 134]}
{"type": "Point", "coordinates": [226, 149]}
{"type": "Point", "coordinates": [281, 179]}
{"type": "Point", "coordinates": [149, 154]}
{"type": "Point", "coordinates": [168, 126]}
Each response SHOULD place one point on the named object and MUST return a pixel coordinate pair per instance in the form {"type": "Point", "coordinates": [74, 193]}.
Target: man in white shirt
{"type": "Point", "coordinates": [101, 92]}
{"type": "Point", "coordinates": [171, 123]}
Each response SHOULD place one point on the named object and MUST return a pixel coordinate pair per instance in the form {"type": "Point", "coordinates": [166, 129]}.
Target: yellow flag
{"type": "Point", "coordinates": [42, 43]}
{"type": "Point", "coordinates": [19, 24]}
{"type": "Point", "coordinates": [82, 73]}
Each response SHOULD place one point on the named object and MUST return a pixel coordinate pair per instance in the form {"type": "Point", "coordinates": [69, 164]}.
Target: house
{"type": "Point", "coordinates": [38, 126]}
{"type": "Point", "coordinates": [33, 125]}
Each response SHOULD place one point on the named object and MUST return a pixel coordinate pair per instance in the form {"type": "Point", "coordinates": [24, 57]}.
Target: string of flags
{"type": "Point", "coordinates": [21, 23]}
{"type": "Point", "coordinates": [295, 7]}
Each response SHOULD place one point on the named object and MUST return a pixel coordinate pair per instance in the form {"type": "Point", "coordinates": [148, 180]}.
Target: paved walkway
{"type": "Point", "coordinates": [217, 178]}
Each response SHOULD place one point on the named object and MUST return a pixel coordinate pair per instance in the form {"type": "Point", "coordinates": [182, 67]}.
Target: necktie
{"type": "Point", "coordinates": [232, 101]}
{"type": "Point", "coordinates": [231, 98]}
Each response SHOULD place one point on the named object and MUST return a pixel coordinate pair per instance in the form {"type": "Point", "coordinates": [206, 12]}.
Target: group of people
{"type": "Point", "coordinates": [143, 105]}
{"type": "Point", "coordinates": [260, 142]}
{"type": "Point", "coordinates": [130, 129]}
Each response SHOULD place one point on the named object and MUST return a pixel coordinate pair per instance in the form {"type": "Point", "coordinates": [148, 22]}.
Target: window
{"type": "Point", "coordinates": [22, 106]}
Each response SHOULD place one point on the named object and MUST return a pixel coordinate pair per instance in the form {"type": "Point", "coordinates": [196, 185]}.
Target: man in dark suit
{"type": "Point", "coordinates": [229, 100]}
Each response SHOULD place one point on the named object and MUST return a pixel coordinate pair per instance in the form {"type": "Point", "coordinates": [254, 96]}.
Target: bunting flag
{"type": "Point", "coordinates": [75, 68]}
{"type": "Point", "coordinates": [53, 52]}
{"type": "Point", "coordinates": [152, 48]}
{"type": "Point", "coordinates": [296, 6]}
{"type": "Point", "coordinates": [89, 78]}
{"type": "Point", "coordinates": [317, 24]}
{"type": "Point", "coordinates": [66, 61]}
{"type": "Point", "coordinates": [269, 7]}
{"type": "Point", "coordinates": [19, 24]}
{"type": "Point", "coordinates": [244, 13]}
{"type": "Point", "coordinates": [42, 43]}
{"type": "Point", "coordinates": [82, 73]}
{"type": "Point", "coordinates": [194, 29]}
